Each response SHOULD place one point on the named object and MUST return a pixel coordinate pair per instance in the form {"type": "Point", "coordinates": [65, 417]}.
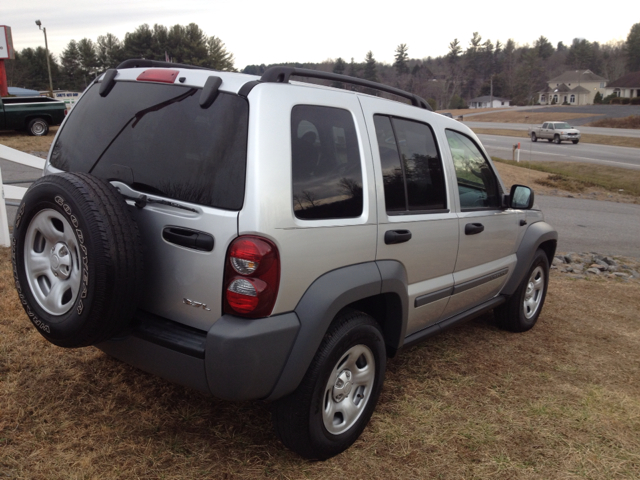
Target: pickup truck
{"type": "Point", "coordinates": [555, 132]}
{"type": "Point", "coordinates": [33, 114]}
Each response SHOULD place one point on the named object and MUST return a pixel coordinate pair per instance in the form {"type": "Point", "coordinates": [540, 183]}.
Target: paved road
{"type": "Point", "coordinates": [501, 146]}
{"type": "Point", "coordinates": [593, 112]}
{"type": "Point", "coordinates": [584, 225]}
{"type": "Point", "coordinates": [612, 132]}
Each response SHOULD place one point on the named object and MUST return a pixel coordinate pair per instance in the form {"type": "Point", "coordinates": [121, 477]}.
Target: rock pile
{"type": "Point", "coordinates": [583, 265]}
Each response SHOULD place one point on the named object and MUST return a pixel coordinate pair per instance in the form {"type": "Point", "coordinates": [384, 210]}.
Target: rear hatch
{"type": "Point", "coordinates": [185, 165]}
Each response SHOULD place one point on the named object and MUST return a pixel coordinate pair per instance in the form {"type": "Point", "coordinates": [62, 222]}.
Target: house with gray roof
{"type": "Point", "coordinates": [575, 87]}
{"type": "Point", "coordinates": [627, 86]}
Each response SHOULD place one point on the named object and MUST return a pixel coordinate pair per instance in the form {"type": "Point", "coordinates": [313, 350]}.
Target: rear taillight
{"type": "Point", "coordinates": [251, 277]}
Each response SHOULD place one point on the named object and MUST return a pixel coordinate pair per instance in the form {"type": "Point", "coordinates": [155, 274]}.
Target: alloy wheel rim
{"type": "Point", "coordinates": [52, 262]}
{"type": "Point", "coordinates": [348, 389]}
{"type": "Point", "coordinates": [533, 293]}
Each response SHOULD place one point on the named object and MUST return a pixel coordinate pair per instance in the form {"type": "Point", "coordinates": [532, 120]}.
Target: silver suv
{"type": "Point", "coordinates": [257, 238]}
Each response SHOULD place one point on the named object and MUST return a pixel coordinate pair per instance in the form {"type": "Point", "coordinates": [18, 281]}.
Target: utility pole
{"type": "Point", "coordinates": [491, 81]}
{"type": "Point", "coordinates": [46, 47]}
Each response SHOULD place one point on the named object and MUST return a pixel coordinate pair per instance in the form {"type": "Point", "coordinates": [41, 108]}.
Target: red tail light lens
{"type": "Point", "coordinates": [251, 277]}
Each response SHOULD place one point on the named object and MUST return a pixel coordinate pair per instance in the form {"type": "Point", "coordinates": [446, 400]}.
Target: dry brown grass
{"type": "Point", "coordinates": [467, 111]}
{"type": "Point", "coordinates": [26, 143]}
{"type": "Point", "coordinates": [632, 121]}
{"type": "Point", "coordinates": [519, 116]}
{"type": "Point", "coordinates": [561, 401]}
{"type": "Point", "coordinates": [632, 142]}
{"type": "Point", "coordinates": [581, 177]}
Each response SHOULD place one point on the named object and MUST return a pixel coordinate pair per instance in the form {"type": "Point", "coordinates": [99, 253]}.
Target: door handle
{"type": "Point", "coordinates": [188, 238]}
{"type": "Point", "coordinates": [473, 228]}
{"type": "Point", "coordinates": [396, 236]}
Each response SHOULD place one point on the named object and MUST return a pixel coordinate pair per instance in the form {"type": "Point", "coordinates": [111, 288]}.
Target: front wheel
{"type": "Point", "coordinates": [557, 140]}
{"type": "Point", "coordinates": [575, 142]}
{"type": "Point", "coordinates": [38, 127]}
{"type": "Point", "coordinates": [534, 138]}
{"type": "Point", "coordinates": [333, 404]}
{"type": "Point", "coordinates": [521, 311]}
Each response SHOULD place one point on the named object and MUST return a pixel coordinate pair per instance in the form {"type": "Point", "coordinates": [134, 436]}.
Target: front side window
{"type": "Point", "coordinates": [478, 185]}
{"type": "Point", "coordinates": [411, 166]}
{"type": "Point", "coordinates": [326, 167]}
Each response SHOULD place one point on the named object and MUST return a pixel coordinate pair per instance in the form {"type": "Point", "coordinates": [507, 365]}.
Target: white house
{"type": "Point", "coordinates": [627, 86]}
{"type": "Point", "coordinates": [488, 102]}
{"type": "Point", "coordinates": [575, 87]}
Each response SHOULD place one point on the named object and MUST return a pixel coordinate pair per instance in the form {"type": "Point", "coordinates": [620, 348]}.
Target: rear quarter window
{"type": "Point", "coordinates": [326, 167]}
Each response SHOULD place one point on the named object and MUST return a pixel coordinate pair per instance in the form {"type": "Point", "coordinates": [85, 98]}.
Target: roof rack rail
{"type": "Point", "coordinates": [143, 62]}
{"type": "Point", "coordinates": [282, 75]}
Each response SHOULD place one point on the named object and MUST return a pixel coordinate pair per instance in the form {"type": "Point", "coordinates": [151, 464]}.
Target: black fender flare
{"type": "Point", "coordinates": [537, 234]}
{"type": "Point", "coordinates": [322, 301]}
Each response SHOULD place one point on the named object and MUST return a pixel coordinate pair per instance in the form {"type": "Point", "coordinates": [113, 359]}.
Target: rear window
{"type": "Point", "coordinates": [158, 140]}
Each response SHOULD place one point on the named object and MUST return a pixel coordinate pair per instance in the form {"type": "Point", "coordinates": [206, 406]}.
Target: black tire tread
{"type": "Point", "coordinates": [509, 315]}
{"type": "Point", "coordinates": [116, 258]}
{"type": "Point", "coordinates": [291, 414]}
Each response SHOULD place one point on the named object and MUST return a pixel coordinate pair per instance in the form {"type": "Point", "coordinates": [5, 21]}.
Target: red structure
{"type": "Point", "coordinates": [6, 53]}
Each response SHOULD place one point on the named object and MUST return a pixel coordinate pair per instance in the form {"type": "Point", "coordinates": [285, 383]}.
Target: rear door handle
{"type": "Point", "coordinates": [396, 236]}
{"type": "Point", "coordinates": [473, 228]}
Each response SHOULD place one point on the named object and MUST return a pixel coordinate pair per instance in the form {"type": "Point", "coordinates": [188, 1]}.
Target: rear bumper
{"type": "Point", "coordinates": [237, 359]}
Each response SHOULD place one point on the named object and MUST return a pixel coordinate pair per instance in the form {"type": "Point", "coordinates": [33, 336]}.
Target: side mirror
{"type": "Point", "coordinates": [521, 197]}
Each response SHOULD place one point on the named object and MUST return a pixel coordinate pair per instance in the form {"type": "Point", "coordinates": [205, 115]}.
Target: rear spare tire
{"type": "Point", "coordinates": [77, 259]}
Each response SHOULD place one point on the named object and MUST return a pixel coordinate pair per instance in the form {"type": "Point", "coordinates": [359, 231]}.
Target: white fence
{"type": "Point", "coordinates": [11, 192]}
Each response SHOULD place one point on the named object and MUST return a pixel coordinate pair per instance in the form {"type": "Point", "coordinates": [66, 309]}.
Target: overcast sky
{"type": "Point", "coordinates": [283, 30]}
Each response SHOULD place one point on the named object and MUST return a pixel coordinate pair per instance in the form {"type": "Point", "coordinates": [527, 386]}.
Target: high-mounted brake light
{"type": "Point", "coordinates": [162, 75]}
{"type": "Point", "coordinates": [251, 277]}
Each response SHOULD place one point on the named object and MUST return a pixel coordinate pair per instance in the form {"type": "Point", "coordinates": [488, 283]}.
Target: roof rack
{"type": "Point", "coordinates": [142, 63]}
{"type": "Point", "coordinates": [282, 75]}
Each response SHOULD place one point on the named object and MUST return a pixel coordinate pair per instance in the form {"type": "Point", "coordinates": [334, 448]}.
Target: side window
{"type": "Point", "coordinates": [327, 172]}
{"type": "Point", "coordinates": [477, 183]}
{"type": "Point", "coordinates": [411, 166]}
{"type": "Point", "coordinates": [544, 125]}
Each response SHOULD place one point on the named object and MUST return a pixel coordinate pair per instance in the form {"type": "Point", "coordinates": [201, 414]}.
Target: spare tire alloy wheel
{"type": "Point", "coordinates": [38, 127]}
{"type": "Point", "coordinates": [333, 404]}
{"type": "Point", "coordinates": [77, 259]}
{"type": "Point", "coordinates": [52, 262]}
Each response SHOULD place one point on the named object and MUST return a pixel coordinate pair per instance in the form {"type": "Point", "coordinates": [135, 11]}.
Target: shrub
{"type": "Point", "coordinates": [597, 98]}
{"type": "Point", "coordinates": [608, 98]}
{"type": "Point", "coordinates": [635, 101]}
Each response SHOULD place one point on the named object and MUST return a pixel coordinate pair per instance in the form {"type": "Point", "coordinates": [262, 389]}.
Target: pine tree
{"type": "Point", "coordinates": [218, 57]}
{"type": "Point", "coordinates": [402, 59]}
{"type": "Point", "coordinates": [370, 72]}
{"type": "Point", "coordinates": [633, 48]}
{"type": "Point", "coordinates": [340, 66]}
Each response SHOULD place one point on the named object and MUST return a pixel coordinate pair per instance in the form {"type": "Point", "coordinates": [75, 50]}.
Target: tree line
{"type": "Point", "coordinates": [482, 67]}
{"type": "Point", "coordinates": [83, 60]}
{"type": "Point", "coordinates": [509, 70]}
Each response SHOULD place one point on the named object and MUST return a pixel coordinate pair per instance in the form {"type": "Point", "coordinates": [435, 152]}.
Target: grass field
{"type": "Point", "coordinates": [577, 177]}
{"type": "Point", "coordinates": [26, 143]}
{"type": "Point", "coordinates": [561, 401]}
{"type": "Point", "coordinates": [517, 116]}
{"type": "Point", "coordinates": [632, 121]}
